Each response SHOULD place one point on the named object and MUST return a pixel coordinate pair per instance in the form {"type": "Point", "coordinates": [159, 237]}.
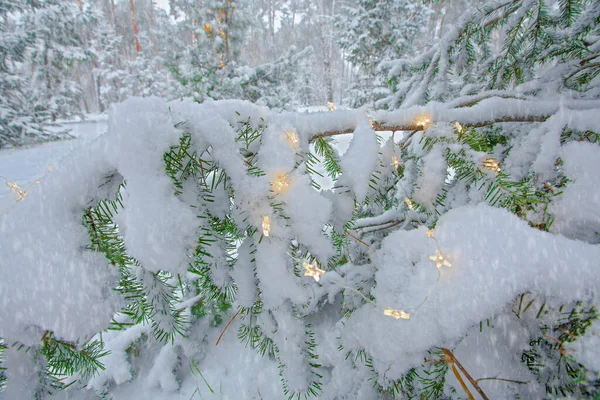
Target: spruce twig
{"type": "Point", "coordinates": [464, 371]}
{"type": "Point", "coordinates": [227, 326]}
{"type": "Point", "coordinates": [503, 380]}
{"type": "Point", "coordinates": [356, 238]}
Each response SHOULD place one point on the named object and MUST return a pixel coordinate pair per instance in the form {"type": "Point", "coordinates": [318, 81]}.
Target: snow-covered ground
{"type": "Point", "coordinates": [24, 165]}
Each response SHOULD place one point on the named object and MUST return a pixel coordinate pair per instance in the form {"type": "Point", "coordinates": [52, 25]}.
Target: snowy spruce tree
{"type": "Point", "coordinates": [224, 249]}
{"type": "Point", "coordinates": [23, 111]}
{"type": "Point", "coordinates": [60, 48]}
{"type": "Point", "coordinates": [392, 27]}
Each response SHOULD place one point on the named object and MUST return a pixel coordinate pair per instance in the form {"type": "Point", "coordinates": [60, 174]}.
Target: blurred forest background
{"type": "Point", "coordinates": [63, 59]}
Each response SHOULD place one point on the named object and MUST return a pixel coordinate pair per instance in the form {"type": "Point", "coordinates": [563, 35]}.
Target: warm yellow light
{"type": "Point", "coordinates": [12, 186]}
{"type": "Point", "coordinates": [292, 137]}
{"type": "Point", "coordinates": [458, 126]}
{"type": "Point", "coordinates": [372, 123]}
{"type": "Point", "coordinates": [313, 270]}
{"type": "Point", "coordinates": [409, 203]}
{"type": "Point", "coordinates": [492, 164]}
{"type": "Point", "coordinates": [266, 225]}
{"type": "Point", "coordinates": [395, 161]}
{"type": "Point", "coordinates": [430, 233]}
{"type": "Point", "coordinates": [440, 260]}
{"type": "Point", "coordinates": [390, 312]}
{"type": "Point", "coordinates": [280, 184]}
{"type": "Point", "coordinates": [423, 122]}
{"type": "Point", "coordinates": [331, 106]}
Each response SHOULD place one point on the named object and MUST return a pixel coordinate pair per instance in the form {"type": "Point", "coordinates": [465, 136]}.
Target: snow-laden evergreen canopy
{"type": "Point", "coordinates": [226, 249]}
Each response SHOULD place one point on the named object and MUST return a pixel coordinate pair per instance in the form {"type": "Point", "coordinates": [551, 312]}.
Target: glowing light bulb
{"type": "Point", "coordinates": [458, 126]}
{"type": "Point", "coordinates": [331, 106]}
{"type": "Point", "coordinates": [313, 270]}
{"type": "Point", "coordinates": [440, 260]}
{"type": "Point", "coordinates": [372, 123]}
{"type": "Point", "coordinates": [409, 203]}
{"type": "Point", "coordinates": [423, 122]}
{"type": "Point", "coordinates": [280, 184]}
{"type": "Point", "coordinates": [292, 137]}
{"type": "Point", "coordinates": [430, 233]}
{"type": "Point", "coordinates": [492, 164]}
{"type": "Point", "coordinates": [266, 225]}
{"type": "Point", "coordinates": [395, 161]}
{"type": "Point", "coordinates": [397, 314]}
{"type": "Point", "coordinates": [12, 186]}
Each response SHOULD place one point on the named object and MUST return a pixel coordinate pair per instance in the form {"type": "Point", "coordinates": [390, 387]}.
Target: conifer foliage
{"type": "Point", "coordinates": [455, 257]}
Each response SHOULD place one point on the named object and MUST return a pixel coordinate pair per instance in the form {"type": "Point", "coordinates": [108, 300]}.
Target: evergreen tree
{"type": "Point", "coordinates": [557, 36]}
{"type": "Point", "coordinates": [457, 256]}
{"type": "Point", "coordinates": [61, 46]}
{"type": "Point", "coordinates": [22, 111]}
{"type": "Point", "coordinates": [372, 32]}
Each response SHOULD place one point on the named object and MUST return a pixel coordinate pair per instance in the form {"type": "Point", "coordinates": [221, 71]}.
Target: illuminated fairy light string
{"type": "Point", "coordinates": [22, 192]}
{"type": "Point", "coordinates": [312, 270]}
{"type": "Point", "coordinates": [331, 106]}
{"type": "Point", "coordinates": [18, 190]}
{"type": "Point", "coordinates": [439, 258]}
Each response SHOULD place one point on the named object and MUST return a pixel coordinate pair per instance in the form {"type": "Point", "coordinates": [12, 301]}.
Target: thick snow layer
{"type": "Point", "coordinates": [431, 180]}
{"type": "Point", "coordinates": [54, 283]}
{"type": "Point", "coordinates": [489, 109]}
{"type": "Point", "coordinates": [47, 280]}
{"type": "Point", "coordinates": [146, 128]}
{"type": "Point", "coordinates": [494, 255]}
{"type": "Point", "coordinates": [586, 349]}
{"type": "Point", "coordinates": [360, 160]}
{"type": "Point", "coordinates": [576, 212]}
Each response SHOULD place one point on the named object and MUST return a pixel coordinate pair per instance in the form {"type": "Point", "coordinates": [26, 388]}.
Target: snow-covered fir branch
{"type": "Point", "coordinates": [224, 248]}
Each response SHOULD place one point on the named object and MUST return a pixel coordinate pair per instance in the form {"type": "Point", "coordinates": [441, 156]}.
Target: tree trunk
{"type": "Point", "coordinates": [138, 48]}
{"type": "Point", "coordinates": [82, 86]}
{"type": "Point", "coordinates": [113, 14]}
{"type": "Point", "coordinates": [152, 29]}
